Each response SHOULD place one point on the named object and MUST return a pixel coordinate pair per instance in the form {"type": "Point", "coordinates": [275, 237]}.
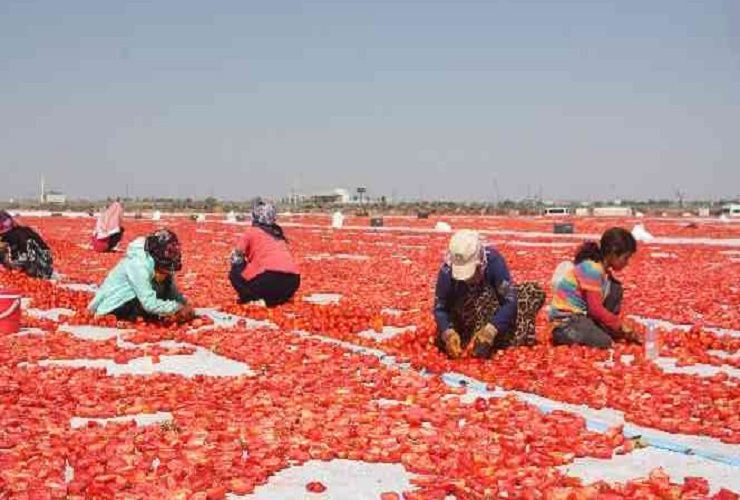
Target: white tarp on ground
{"type": "Point", "coordinates": [51, 314]}
{"type": "Point", "coordinates": [323, 298]}
{"type": "Point", "coordinates": [639, 463]}
{"type": "Point", "coordinates": [343, 479]}
{"type": "Point", "coordinates": [141, 419]}
{"type": "Point", "coordinates": [388, 332]}
{"type": "Point", "coordinates": [80, 287]}
{"type": "Point", "coordinates": [201, 362]}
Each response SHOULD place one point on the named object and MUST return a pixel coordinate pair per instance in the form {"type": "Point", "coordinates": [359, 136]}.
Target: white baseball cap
{"type": "Point", "coordinates": [465, 254]}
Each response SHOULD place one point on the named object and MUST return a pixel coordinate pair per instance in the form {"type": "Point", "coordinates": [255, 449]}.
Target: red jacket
{"type": "Point", "coordinates": [264, 252]}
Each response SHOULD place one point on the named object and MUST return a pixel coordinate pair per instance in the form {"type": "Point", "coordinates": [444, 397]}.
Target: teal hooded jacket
{"type": "Point", "coordinates": [132, 278]}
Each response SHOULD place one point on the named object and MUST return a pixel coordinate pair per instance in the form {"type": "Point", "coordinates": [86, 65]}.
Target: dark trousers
{"type": "Point", "coordinates": [107, 244]}
{"type": "Point", "coordinates": [114, 240]}
{"type": "Point", "coordinates": [583, 330]}
{"type": "Point", "coordinates": [131, 310]}
{"type": "Point", "coordinates": [274, 287]}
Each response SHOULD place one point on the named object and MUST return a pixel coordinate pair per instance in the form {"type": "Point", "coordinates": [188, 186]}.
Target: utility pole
{"type": "Point", "coordinates": [42, 193]}
{"type": "Point", "coordinates": [680, 196]}
{"type": "Point", "coordinates": [496, 193]}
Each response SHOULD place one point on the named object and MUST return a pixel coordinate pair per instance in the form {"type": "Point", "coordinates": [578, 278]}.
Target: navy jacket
{"type": "Point", "coordinates": [497, 274]}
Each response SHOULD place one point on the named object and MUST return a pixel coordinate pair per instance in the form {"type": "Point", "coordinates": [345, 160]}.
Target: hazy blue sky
{"type": "Point", "coordinates": [427, 98]}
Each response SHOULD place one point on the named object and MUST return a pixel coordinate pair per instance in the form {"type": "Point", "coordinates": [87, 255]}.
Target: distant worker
{"type": "Point", "coordinates": [262, 267]}
{"type": "Point", "coordinates": [142, 285]}
{"type": "Point", "coordinates": [478, 308]}
{"type": "Point", "coordinates": [23, 249]}
{"type": "Point", "coordinates": [108, 230]}
{"type": "Point", "coordinates": [587, 298]}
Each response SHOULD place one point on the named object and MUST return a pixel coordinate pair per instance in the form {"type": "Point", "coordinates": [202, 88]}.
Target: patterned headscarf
{"type": "Point", "coordinates": [6, 222]}
{"type": "Point", "coordinates": [164, 247]}
{"type": "Point", "coordinates": [263, 213]}
{"type": "Point", "coordinates": [264, 217]}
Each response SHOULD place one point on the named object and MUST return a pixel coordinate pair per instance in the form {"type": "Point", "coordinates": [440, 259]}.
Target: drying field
{"type": "Point", "coordinates": [341, 394]}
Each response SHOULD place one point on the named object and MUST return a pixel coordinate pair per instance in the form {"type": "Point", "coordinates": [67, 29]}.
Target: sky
{"type": "Point", "coordinates": [454, 100]}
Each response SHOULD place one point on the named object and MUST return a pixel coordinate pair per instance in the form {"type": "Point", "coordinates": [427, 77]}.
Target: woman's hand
{"type": "Point", "coordinates": [238, 258]}
{"type": "Point", "coordinates": [184, 314]}
{"type": "Point", "coordinates": [628, 331]}
{"type": "Point", "coordinates": [482, 341]}
{"type": "Point", "coordinates": [486, 334]}
{"type": "Point", "coordinates": [452, 343]}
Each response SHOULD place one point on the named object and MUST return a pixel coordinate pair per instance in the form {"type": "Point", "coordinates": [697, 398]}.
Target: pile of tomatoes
{"type": "Point", "coordinates": [308, 399]}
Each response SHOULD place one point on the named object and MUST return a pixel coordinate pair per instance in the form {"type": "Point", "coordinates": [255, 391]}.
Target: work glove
{"type": "Point", "coordinates": [451, 341]}
{"type": "Point", "coordinates": [482, 342]}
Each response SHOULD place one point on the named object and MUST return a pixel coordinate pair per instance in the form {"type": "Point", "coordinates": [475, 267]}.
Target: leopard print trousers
{"type": "Point", "coordinates": [477, 305]}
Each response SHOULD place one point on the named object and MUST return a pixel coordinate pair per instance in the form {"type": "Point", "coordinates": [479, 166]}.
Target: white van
{"type": "Point", "coordinates": [556, 211]}
{"type": "Point", "coordinates": [731, 210]}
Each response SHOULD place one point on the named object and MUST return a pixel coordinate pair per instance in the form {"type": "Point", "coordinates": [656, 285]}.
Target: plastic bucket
{"type": "Point", "coordinates": [10, 311]}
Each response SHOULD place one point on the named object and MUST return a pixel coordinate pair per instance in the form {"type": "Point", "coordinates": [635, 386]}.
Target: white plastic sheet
{"type": "Point", "coordinates": [337, 220]}
{"type": "Point", "coordinates": [642, 234]}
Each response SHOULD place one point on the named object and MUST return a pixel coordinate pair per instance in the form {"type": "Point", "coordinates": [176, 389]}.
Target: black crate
{"type": "Point", "coordinates": [563, 228]}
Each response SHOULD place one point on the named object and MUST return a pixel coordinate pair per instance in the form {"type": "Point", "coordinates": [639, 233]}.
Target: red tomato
{"type": "Point", "coordinates": [315, 487]}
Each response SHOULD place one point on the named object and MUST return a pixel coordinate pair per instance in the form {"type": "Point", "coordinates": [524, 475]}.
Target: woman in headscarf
{"type": "Point", "coordinates": [142, 285]}
{"type": "Point", "coordinates": [478, 308]}
{"type": "Point", "coordinates": [108, 231]}
{"type": "Point", "coordinates": [262, 267]}
{"type": "Point", "coordinates": [22, 248]}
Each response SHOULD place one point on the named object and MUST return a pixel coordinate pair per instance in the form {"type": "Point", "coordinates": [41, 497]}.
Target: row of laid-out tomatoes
{"type": "Point", "coordinates": [369, 288]}
{"type": "Point", "coordinates": [307, 400]}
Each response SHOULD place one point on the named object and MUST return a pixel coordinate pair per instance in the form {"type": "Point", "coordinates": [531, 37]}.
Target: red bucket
{"type": "Point", "coordinates": [10, 311]}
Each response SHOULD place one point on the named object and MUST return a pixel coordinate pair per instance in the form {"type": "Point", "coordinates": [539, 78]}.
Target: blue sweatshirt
{"type": "Point", "coordinates": [496, 274]}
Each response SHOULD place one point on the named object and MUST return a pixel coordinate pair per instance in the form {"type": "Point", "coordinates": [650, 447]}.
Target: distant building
{"type": "Point", "coordinates": [52, 197]}
{"type": "Point", "coordinates": [335, 196]}
{"type": "Point", "coordinates": [343, 194]}
{"type": "Point", "coordinates": [613, 211]}
{"type": "Point", "coordinates": [55, 198]}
